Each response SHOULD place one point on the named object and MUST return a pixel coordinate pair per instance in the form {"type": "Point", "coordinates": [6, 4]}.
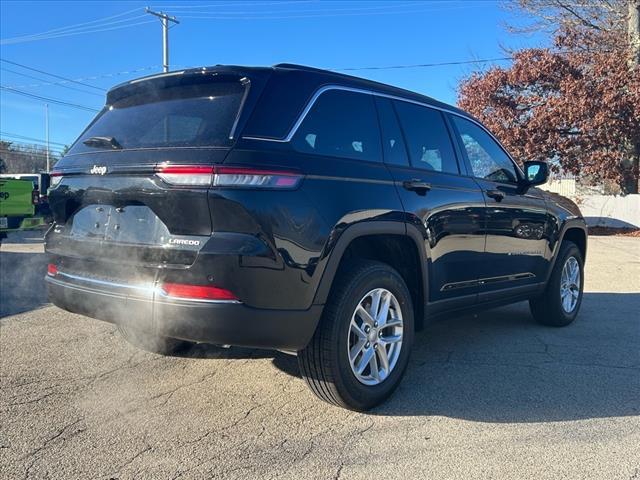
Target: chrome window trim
{"type": "Point", "coordinates": [327, 88]}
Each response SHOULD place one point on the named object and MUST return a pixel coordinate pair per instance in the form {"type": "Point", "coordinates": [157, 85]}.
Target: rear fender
{"type": "Point", "coordinates": [365, 229]}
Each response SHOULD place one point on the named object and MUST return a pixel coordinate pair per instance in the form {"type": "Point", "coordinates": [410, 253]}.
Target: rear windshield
{"type": "Point", "coordinates": [198, 115]}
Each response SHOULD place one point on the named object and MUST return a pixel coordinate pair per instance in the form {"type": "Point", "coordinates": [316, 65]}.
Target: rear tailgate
{"type": "Point", "coordinates": [108, 202]}
{"type": "Point", "coordinates": [128, 217]}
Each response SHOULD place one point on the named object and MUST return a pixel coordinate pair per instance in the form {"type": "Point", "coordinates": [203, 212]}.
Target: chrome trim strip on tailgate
{"type": "Point", "coordinates": [123, 289]}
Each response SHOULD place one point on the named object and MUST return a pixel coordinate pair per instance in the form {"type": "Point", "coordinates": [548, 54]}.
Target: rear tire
{"type": "Point", "coordinates": [346, 338]}
{"type": "Point", "coordinates": [549, 308]}
{"type": "Point", "coordinates": [153, 343]}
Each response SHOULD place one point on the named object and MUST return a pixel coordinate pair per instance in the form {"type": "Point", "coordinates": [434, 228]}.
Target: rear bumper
{"type": "Point", "coordinates": [228, 323]}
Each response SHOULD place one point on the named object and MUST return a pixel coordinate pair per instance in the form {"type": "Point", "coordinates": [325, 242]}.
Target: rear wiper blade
{"type": "Point", "coordinates": [102, 142]}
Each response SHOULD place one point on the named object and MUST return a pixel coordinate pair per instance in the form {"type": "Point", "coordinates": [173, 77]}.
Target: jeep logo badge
{"type": "Point", "coordinates": [98, 170]}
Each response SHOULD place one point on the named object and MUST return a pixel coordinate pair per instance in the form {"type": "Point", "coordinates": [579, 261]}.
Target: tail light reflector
{"type": "Point", "coordinates": [229, 177]}
{"type": "Point", "coordinates": [52, 270]}
{"type": "Point", "coordinates": [254, 178]}
{"type": "Point", "coordinates": [186, 175]}
{"type": "Point", "coordinates": [197, 292]}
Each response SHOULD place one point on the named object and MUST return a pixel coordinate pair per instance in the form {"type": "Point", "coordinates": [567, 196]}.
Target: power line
{"type": "Point", "coordinates": [48, 99]}
{"type": "Point", "coordinates": [75, 25]}
{"type": "Point", "coordinates": [23, 137]}
{"type": "Point", "coordinates": [391, 6]}
{"type": "Point", "coordinates": [59, 30]}
{"type": "Point", "coordinates": [68, 34]}
{"type": "Point", "coordinates": [51, 74]}
{"type": "Point", "coordinates": [154, 67]}
{"type": "Point", "coordinates": [308, 2]}
{"type": "Point", "coordinates": [94, 77]}
{"type": "Point", "coordinates": [246, 4]}
{"type": "Point", "coordinates": [461, 62]}
{"type": "Point", "coordinates": [67, 31]}
{"type": "Point", "coordinates": [41, 79]}
{"type": "Point", "coordinates": [424, 65]}
{"type": "Point", "coordinates": [319, 14]}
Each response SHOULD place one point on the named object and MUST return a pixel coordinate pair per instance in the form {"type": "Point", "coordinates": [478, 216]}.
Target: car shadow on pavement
{"type": "Point", "coordinates": [284, 362]}
{"type": "Point", "coordinates": [502, 366]}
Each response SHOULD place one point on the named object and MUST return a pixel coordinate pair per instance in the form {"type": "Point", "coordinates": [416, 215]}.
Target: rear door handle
{"type": "Point", "coordinates": [497, 195]}
{"type": "Point", "coordinates": [417, 186]}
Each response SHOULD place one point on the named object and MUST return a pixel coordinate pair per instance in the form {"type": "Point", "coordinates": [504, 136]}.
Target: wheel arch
{"type": "Point", "coordinates": [574, 231]}
{"type": "Point", "coordinates": [394, 243]}
{"type": "Point", "coordinates": [577, 235]}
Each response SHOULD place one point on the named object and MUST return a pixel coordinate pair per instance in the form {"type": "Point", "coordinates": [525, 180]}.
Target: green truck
{"type": "Point", "coordinates": [18, 200]}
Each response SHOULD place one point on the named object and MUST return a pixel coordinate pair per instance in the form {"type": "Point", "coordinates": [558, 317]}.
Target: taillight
{"type": "Point", "coordinates": [55, 178]}
{"type": "Point", "coordinates": [52, 270]}
{"type": "Point", "coordinates": [228, 177]}
{"type": "Point", "coordinates": [186, 175]}
{"type": "Point", "coordinates": [254, 178]}
{"type": "Point", "coordinates": [35, 197]}
{"type": "Point", "coordinates": [197, 292]}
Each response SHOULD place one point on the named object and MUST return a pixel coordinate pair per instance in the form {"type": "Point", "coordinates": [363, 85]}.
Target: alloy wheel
{"type": "Point", "coordinates": [375, 336]}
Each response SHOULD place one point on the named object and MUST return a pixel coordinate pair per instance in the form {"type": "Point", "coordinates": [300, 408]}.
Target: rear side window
{"type": "Point", "coordinates": [395, 151]}
{"type": "Point", "coordinates": [486, 157]}
{"type": "Point", "coordinates": [427, 138]}
{"type": "Point", "coordinates": [341, 124]}
{"type": "Point", "coordinates": [199, 115]}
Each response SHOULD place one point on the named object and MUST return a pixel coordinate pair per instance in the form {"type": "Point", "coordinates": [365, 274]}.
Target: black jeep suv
{"type": "Point", "coordinates": [302, 210]}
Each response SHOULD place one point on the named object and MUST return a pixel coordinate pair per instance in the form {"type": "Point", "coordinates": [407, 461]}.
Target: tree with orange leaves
{"type": "Point", "coordinates": [576, 104]}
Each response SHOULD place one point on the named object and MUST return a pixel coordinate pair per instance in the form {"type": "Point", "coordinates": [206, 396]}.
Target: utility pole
{"type": "Point", "coordinates": [165, 19]}
{"type": "Point", "coordinates": [46, 127]}
{"type": "Point", "coordinates": [633, 31]}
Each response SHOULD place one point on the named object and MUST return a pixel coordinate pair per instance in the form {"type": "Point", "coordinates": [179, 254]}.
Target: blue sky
{"type": "Point", "coordinates": [326, 34]}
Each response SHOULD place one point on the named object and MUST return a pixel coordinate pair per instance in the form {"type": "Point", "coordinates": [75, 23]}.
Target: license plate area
{"type": "Point", "coordinates": [131, 224]}
{"type": "Point", "coordinates": [4, 222]}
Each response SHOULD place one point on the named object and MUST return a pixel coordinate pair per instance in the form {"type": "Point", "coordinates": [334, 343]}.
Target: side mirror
{"type": "Point", "coordinates": [535, 173]}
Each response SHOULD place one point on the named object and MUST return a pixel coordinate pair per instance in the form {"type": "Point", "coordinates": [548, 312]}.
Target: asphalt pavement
{"type": "Point", "coordinates": [492, 396]}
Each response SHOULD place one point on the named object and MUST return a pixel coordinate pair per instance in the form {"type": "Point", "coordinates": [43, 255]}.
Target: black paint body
{"type": "Point", "coordinates": [279, 251]}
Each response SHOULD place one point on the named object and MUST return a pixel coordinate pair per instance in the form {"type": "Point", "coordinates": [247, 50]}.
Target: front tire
{"type": "Point", "coordinates": [361, 347]}
{"type": "Point", "coordinates": [558, 306]}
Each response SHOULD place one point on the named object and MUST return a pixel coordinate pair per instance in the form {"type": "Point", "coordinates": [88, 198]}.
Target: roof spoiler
{"type": "Point", "coordinates": [174, 79]}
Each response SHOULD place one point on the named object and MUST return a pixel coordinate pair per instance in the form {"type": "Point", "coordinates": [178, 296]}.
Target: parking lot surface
{"type": "Point", "coordinates": [488, 396]}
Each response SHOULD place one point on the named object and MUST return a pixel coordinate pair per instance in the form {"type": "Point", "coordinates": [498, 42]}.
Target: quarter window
{"type": "Point", "coordinates": [427, 137]}
{"type": "Point", "coordinates": [488, 160]}
{"type": "Point", "coordinates": [341, 124]}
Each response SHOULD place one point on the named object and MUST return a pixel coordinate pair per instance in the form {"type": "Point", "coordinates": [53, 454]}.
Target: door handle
{"type": "Point", "coordinates": [417, 186]}
{"type": "Point", "coordinates": [497, 195]}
